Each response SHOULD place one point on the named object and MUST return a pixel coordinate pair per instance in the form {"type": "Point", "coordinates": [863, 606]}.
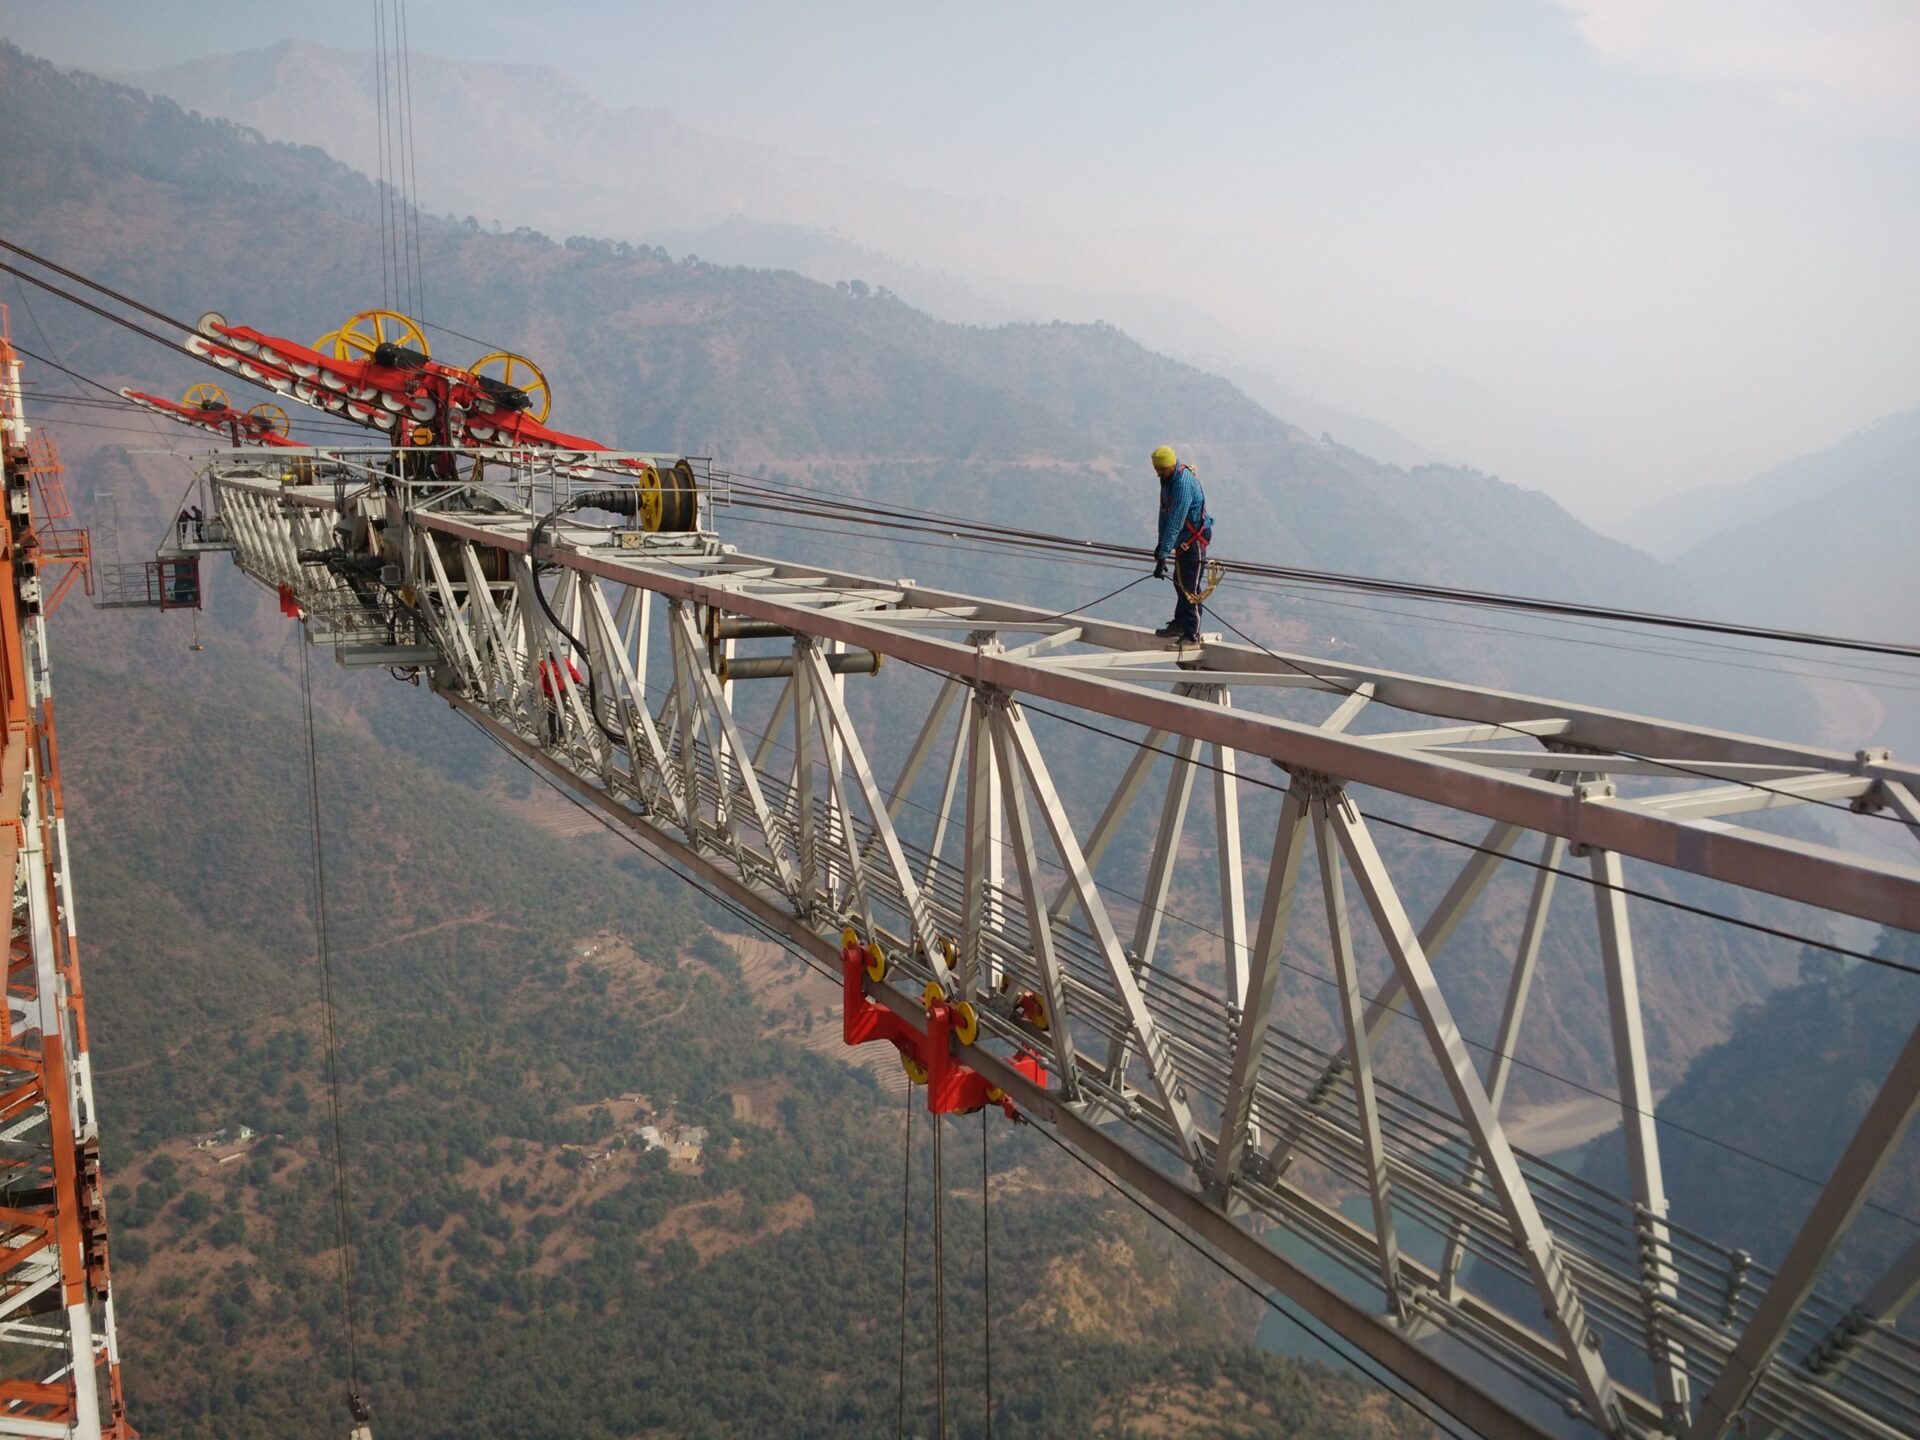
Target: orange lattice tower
{"type": "Point", "coordinates": [59, 1362]}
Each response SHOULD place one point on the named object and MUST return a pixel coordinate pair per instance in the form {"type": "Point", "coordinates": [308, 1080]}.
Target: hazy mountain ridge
{"type": "Point", "coordinates": [1039, 427]}
{"type": "Point", "coordinates": [1890, 447]}
{"type": "Point", "coordinates": [1825, 541]}
{"type": "Point", "coordinates": [729, 201]}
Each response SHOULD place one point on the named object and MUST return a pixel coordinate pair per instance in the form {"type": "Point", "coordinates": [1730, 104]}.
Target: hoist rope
{"type": "Point", "coordinates": [939, 1286]}
{"type": "Point", "coordinates": [389, 272]}
{"type": "Point", "coordinates": [342, 1206]}
{"type": "Point", "coordinates": [906, 1228]}
{"type": "Point", "coordinates": [412, 170]}
{"type": "Point", "coordinates": [986, 1271]}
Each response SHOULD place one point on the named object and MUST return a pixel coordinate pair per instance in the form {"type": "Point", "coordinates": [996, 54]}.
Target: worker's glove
{"type": "Point", "coordinates": [1159, 567]}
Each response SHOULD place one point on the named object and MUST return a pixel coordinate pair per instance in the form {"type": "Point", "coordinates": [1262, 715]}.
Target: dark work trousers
{"type": "Point", "coordinates": [1188, 566]}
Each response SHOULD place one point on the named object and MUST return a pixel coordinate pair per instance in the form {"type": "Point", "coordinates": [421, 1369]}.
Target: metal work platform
{"type": "Point", "coordinates": [833, 751]}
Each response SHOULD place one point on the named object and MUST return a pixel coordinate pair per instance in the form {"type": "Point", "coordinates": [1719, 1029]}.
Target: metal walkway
{"type": "Point", "coordinates": [724, 712]}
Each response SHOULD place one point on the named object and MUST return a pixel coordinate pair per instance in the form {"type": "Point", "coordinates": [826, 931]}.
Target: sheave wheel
{"type": "Point", "coordinates": [271, 417]}
{"type": "Point", "coordinates": [370, 329]}
{"type": "Point", "coordinates": [205, 396]}
{"type": "Point", "coordinates": [522, 374]}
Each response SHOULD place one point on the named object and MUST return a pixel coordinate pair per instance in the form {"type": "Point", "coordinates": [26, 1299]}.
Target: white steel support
{"type": "Point", "coordinates": [1506, 1041]}
{"type": "Point", "coordinates": [1153, 895]}
{"type": "Point", "coordinates": [1234, 1090]}
{"type": "Point", "coordinates": [1233, 884]}
{"type": "Point", "coordinates": [1142, 1028]}
{"type": "Point", "coordinates": [855, 758]}
{"type": "Point", "coordinates": [1238, 1128]}
{"type": "Point", "coordinates": [803, 775]}
{"type": "Point", "coordinates": [1637, 1102]}
{"type": "Point", "coordinates": [1359, 1054]}
{"type": "Point", "coordinates": [982, 861]}
{"type": "Point", "coordinates": [1040, 930]}
{"type": "Point", "coordinates": [1531, 1238]}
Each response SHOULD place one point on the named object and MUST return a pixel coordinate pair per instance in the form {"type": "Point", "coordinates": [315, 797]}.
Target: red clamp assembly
{"type": "Point", "coordinates": [927, 1056]}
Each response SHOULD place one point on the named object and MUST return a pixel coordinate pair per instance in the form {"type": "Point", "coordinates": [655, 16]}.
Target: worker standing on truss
{"type": "Point", "coordinates": [1186, 529]}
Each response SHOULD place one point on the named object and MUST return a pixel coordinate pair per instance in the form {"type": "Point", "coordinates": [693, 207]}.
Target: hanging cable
{"type": "Point", "coordinates": [382, 186]}
{"type": "Point", "coordinates": [412, 168]}
{"type": "Point", "coordinates": [939, 1288]}
{"type": "Point", "coordinates": [906, 1217]}
{"type": "Point", "coordinates": [986, 1272]}
{"type": "Point", "coordinates": [861, 511]}
{"type": "Point", "coordinates": [342, 1207]}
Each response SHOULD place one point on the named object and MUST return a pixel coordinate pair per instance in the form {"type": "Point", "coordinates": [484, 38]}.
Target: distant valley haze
{"type": "Point", "coordinates": [1609, 249]}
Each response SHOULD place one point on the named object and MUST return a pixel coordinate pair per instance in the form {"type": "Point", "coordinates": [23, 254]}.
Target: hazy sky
{"type": "Point", "coordinates": [1603, 247]}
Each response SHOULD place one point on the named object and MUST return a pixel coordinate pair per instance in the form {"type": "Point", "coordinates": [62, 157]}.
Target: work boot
{"type": "Point", "coordinates": [1169, 630]}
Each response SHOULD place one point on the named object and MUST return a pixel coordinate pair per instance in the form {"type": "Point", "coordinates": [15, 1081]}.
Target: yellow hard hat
{"type": "Point", "coordinates": [1164, 458]}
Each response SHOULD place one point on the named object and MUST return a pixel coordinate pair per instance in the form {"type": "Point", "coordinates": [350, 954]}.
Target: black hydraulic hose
{"type": "Point", "coordinates": [540, 594]}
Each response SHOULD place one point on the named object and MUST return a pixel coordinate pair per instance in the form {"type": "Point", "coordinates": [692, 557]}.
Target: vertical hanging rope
{"type": "Point", "coordinates": [413, 160]}
{"type": "Point", "coordinates": [342, 1207]}
{"type": "Point", "coordinates": [906, 1216]}
{"type": "Point", "coordinates": [939, 1289]}
{"type": "Point", "coordinates": [986, 1271]}
{"type": "Point", "coordinates": [387, 268]}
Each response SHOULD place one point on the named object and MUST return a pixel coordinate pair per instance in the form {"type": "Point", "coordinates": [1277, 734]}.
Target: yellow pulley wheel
{"type": "Point", "coordinates": [876, 964]}
{"type": "Point", "coordinates": [849, 937]}
{"type": "Point", "coordinates": [933, 994]}
{"type": "Point", "coordinates": [916, 1072]}
{"type": "Point", "coordinates": [271, 417]}
{"type": "Point", "coordinates": [370, 329]}
{"type": "Point", "coordinates": [652, 500]}
{"type": "Point", "coordinates": [966, 1022]}
{"type": "Point", "coordinates": [205, 396]}
{"type": "Point", "coordinates": [1034, 1007]}
{"type": "Point", "coordinates": [522, 374]}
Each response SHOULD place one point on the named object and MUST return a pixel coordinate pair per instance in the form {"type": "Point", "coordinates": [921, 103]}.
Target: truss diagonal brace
{"type": "Point", "coordinates": [1530, 1234]}
{"type": "Point", "coordinates": [1014, 730]}
{"type": "Point", "coordinates": [856, 756]}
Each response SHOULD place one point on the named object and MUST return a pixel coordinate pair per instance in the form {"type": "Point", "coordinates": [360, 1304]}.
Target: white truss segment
{"type": "Point", "coordinates": [1177, 1063]}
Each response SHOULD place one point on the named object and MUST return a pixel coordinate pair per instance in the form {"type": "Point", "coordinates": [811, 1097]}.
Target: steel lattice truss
{"type": "Point", "coordinates": [59, 1363]}
{"type": "Point", "coordinates": [920, 809]}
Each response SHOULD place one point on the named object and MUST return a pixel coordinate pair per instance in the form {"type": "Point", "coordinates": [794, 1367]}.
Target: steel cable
{"type": "Point", "coordinates": [343, 1213]}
